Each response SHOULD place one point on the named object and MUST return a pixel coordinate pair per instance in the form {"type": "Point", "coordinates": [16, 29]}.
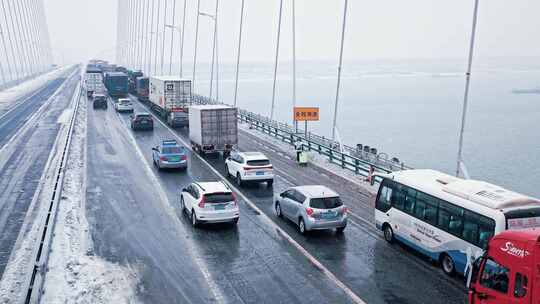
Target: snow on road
{"type": "Point", "coordinates": [75, 274]}
{"type": "Point", "coordinates": [9, 96]}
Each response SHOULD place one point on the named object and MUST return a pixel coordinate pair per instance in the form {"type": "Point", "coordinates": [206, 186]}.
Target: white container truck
{"type": "Point", "coordinates": [213, 128]}
{"type": "Point", "coordinates": [170, 96]}
{"type": "Point", "coordinates": [93, 82]}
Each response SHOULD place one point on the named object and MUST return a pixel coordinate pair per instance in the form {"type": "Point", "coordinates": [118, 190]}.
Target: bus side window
{"type": "Point", "coordinates": [450, 218]}
{"type": "Point", "coordinates": [520, 286]}
{"type": "Point", "coordinates": [410, 200]}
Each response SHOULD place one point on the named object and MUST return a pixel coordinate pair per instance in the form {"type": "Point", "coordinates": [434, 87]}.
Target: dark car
{"type": "Point", "coordinates": [142, 121]}
{"type": "Point", "coordinates": [100, 101]}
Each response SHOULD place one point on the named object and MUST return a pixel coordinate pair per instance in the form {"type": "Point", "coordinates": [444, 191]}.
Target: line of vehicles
{"type": "Point", "coordinates": [483, 232]}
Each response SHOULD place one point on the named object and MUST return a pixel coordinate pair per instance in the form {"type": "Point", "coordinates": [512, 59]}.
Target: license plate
{"type": "Point", "coordinates": [328, 215]}
{"type": "Point", "coordinates": [219, 207]}
{"type": "Point", "coordinates": [260, 173]}
{"type": "Point", "coordinates": [174, 159]}
{"type": "Point", "coordinates": [144, 122]}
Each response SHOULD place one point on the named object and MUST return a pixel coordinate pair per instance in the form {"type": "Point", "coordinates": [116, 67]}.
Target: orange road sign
{"type": "Point", "coordinates": [306, 113]}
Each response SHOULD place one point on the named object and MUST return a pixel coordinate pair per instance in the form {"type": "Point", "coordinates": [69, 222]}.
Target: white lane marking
{"type": "Point", "coordinates": [271, 223]}
{"type": "Point", "coordinates": [214, 288]}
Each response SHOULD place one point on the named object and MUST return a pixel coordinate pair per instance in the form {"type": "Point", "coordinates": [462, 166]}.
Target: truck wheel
{"type": "Point", "coordinates": [388, 233]}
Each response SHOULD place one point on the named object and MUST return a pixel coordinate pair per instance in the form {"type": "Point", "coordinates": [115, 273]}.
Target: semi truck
{"type": "Point", "coordinates": [141, 90]}
{"type": "Point", "coordinates": [170, 96]}
{"type": "Point", "coordinates": [509, 270]}
{"type": "Point", "coordinates": [93, 81]}
{"type": "Point", "coordinates": [213, 128]}
{"type": "Point", "coordinates": [116, 84]}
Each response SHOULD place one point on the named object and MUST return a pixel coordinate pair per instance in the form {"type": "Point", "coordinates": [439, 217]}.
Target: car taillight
{"type": "Point", "coordinates": [202, 202]}
{"type": "Point", "coordinates": [234, 198]}
{"type": "Point", "coordinates": [309, 212]}
{"type": "Point", "coordinates": [164, 158]}
{"type": "Point", "coordinates": [184, 157]}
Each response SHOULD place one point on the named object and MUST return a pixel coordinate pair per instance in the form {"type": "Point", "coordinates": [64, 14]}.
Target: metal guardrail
{"type": "Point", "coordinates": [34, 290]}
{"type": "Point", "coordinates": [358, 161]}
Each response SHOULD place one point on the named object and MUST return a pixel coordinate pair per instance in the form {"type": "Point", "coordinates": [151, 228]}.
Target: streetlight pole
{"type": "Point", "coordinates": [466, 95]}
{"type": "Point", "coordinates": [146, 33]}
{"type": "Point", "coordinates": [213, 47]}
{"type": "Point", "coordinates": [238, 53]}
{"type": "Point", "coordinates": [339, 69]}
{"type": "Point", "coordinates": [295, 123]}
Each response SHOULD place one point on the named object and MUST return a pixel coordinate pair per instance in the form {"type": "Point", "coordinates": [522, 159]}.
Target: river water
{"type": "Point", "coordinates": [411, 109]}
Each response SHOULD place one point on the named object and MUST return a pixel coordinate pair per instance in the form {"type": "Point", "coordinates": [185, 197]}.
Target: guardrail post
{"type": "Point", "coordinates": [330, 154]}
{"type": "Point", "coordinates": [342, 160]}
{"type": "Point", "coordinates": [356, 165]}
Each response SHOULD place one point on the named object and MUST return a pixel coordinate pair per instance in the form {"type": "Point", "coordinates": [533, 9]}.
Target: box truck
{"type": "Point", "coordinates": [116, 84]}
{"type": "Point", "coordinates": [141, 90]}
{"type": "Point", "coordinates": [170, 96]}
{"type": "Point", "coordinates": [93, 81]}
{"type": "Point", "coordinates": [213, 128]}
{"type": "Point", "coordinates": [132, 79]}
{"type": "Point", "coordinates": [509, 270]}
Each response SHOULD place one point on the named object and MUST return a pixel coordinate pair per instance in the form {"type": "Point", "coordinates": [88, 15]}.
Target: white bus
{"type": "Point", "coordinates": [448, 219]}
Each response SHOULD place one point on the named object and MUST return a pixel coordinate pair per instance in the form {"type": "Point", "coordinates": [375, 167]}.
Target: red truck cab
{"type": "Point", "coordinates": [509, 270]}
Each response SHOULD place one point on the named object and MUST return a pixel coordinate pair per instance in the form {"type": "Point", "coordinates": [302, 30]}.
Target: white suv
{"type": "Point", "coordinates": [124, 104]}
{"type": "Point", "coordinates": [249, 166]}
{"type": "Point", "coordinates": [209, 202]}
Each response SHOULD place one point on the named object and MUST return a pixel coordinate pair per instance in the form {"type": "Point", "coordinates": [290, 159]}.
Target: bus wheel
{"type": "Point", "coordinates": [388, 233]}
{"type": "Point", "coordinates": [447, 264]}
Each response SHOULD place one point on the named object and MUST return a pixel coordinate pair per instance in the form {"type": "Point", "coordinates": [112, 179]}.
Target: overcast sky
{"type": "Point", "coordinates": [81, 29]}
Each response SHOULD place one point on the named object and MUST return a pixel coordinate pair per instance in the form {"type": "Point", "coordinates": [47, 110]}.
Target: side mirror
{"type": "Point", "coordinates": [184, 190]}
{"type": "Point", "coordinates": [154, 149]}
{"type": "Point", "coordinates": [282, 194]}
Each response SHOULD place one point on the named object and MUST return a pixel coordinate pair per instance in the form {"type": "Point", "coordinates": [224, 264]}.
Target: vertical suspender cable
{"type": "Point", "coordinates": [196, 41]}
{"type": "Point", "coordinates": [182, 42]}
{"type": "Point", "coordinates": [146, 33]}
{"type": "Point", "coordinates": [45, 31]}
{"type": "Point", "coordinates": [21, 38]}
{"type": "Point", "coordinates": [163, 38]}
{"type": "Point", "coordinates": [118, 37]}
{"type": "Point", "coordinates": [26, 29]}
{"type": "Point", "coordinates": [213, 51]}
{"type": "Point", "coordinates": [157, 36]}
{"type": "Point", "coordinates": [339, 69]}
{"type": "Point", "coordinates": [151, 40]}
{"type": "Point", "coordinates": [15, 68]}
{"type": "Point", "coordinates": [139, 34]}
{"type": "Point", "coordinates": [295, 124]}
{"type": "Point", "coordinates": [217, 57]}
{"type": "Point", "coordinates": [466, 95]}
{"type": "Point", "coordinates": [129, 44]}
{"type": "Point", "coordinates": [276, 62]}
{"type": "Point", "coordinates": [173, 28]}
{"type": "Point", "coordinates": [238, 53]}
{"type": "Point", "coordinates": [37, 38]}
{"type": "Point", "coordinates": [18, 42]}
{"type": "Point", "coordinates": [6, 52]}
